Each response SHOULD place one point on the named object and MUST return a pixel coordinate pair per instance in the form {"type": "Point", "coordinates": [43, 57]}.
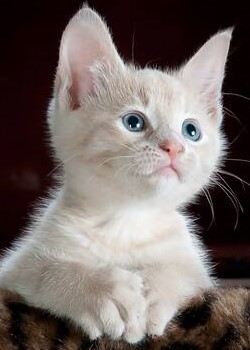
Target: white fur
{"type": "Point", "coordinates": [112, 250]}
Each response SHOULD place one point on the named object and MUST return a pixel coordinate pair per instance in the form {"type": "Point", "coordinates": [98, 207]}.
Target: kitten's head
{"type": "Point", "coordinates": [136, 131]}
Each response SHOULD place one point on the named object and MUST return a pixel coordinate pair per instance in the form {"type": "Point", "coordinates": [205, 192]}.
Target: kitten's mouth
{"type": "Point", "coordinates": [167, 171]}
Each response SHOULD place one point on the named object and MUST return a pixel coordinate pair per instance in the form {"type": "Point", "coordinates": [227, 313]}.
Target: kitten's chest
{"type": "Point", "coordinates": [133, 239]}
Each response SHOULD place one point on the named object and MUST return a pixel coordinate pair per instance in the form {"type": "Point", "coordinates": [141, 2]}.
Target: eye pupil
{"type": "Point", "coordinates": [191, 129]}
{"type": "Point", "coordinates": [133, 122]}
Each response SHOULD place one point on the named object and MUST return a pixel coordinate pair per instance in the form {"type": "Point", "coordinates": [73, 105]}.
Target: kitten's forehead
{"type": "Point", "coordinates": [157, 94]}
{"type": "Point", "coordinates": [157, 84]}
{"type": "Point", "coordinates": [163, 96]}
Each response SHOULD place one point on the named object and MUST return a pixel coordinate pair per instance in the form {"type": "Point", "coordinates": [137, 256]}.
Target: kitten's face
{"type": "Point", "coordinates": [138, 130]}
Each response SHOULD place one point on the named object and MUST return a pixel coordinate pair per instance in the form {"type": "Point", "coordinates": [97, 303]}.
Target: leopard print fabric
{"type": "Point", "coordinates": [217, 319]}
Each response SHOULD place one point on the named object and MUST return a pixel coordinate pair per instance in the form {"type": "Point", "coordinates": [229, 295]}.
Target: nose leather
{"type": "Point", "coordinates": [172, 148]}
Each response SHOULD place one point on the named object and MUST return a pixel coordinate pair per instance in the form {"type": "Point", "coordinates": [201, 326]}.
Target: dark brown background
{"type": "Point", "coordinates": [160, 32]}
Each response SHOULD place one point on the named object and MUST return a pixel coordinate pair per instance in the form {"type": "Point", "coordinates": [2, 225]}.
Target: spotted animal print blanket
{"type": "Point", "coordinates": [215, 320]}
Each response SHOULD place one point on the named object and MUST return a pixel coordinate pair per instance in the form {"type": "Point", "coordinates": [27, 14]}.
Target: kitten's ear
{"type": "Point", "coordinates": [204, 72]}
{"type": "Point", "coordinates": [86, 43]}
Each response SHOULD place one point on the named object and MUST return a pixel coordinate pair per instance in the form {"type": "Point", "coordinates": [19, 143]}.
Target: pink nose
{"type": "Point", "coordinates": [172, 148]}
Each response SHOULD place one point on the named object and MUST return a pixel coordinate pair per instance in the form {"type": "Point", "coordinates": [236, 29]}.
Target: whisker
{"type": "Point", "coordinates": [233, 115]}
{"type": "Point", "coordinates": [133, 46]}
{"type": "Point", "coordinates": [236, 95]}
{"type": "Point", "coordinates": [230, 113]}
{"type": "Point", "coordinates": [233, 194]}
{"type": "Point", "coordinates": [54, 169]}
{"type": "Point", "coordinates": [63, 162]}
{"type": "Point", "coordinates": [112, 158]}
{"type": "Point", "coordinates": [210, 202]}
{"type": "Point", "coordinates": [128, 169]}
{"type": "Point", "coordinates": [238, 136]}
{"type": "Point", "coordinates": [238, 160]}
{"type": "Point", "coordinates": [152, 60]}
{"type": "Point", "coordinates": [128, 147]}
{"type": "Point", "coordinates": [232, 199]}
{"type": "Point", "coordinates": [129, 166]}
{"type": "Point", "coordinates": [234, 176]}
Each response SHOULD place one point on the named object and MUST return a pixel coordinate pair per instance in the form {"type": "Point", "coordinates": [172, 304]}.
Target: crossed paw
{"type": "Point", "coordinates": [126, 312]}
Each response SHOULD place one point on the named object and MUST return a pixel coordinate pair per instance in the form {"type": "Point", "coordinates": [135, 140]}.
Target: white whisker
{"type": "Point", "coordinates": [238, 136]}
{"type": "Point", "coordinates": [238, 160]}
{"type": "Point", "coordinates": [125, 145]}
{"type": "Point", "coordinates": [232, 199]}
{"type": "Point", "coordinates": [231, 192]}
{"type": "Point", "coordinates": [234, 176]}
{"type": "Point", "coordinates": [64, 161]}
{"type": "Point", "coordinates": [231, 114]}
{"type": "Point", "coordinates": [129, 166]}
{"type": "Point", "coordinates": [113, 158]}
{"type": "Point", "coordinates": [236, 95]}
{"type": "Point", "coordinates": [210, 202]}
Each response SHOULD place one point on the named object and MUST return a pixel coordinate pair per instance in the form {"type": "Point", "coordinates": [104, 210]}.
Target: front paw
{"type": "Point", "coordinates": [160, 311]}
{"type": "Point", "coordinates": [129, 300]}
{"type": "Point", "coordinates": [119, 312]}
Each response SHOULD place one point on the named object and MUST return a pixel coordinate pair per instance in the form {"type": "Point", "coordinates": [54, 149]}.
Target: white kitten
{"type": "Point", "coordinates": [112, 250]}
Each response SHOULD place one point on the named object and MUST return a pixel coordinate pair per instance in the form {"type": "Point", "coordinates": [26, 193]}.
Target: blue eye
{"type": "Point", "coordinates": [133, 122]}
{"type": "Point", "coordinates": [191, 130]}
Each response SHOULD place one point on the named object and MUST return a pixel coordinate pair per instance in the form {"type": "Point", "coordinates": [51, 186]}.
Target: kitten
{"type": "Point", "coordinates": [112, 251]}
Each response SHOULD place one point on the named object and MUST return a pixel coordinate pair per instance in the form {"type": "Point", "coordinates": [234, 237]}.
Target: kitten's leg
{"type": "Point", "coordinates": [167, 289]}
{"type": "Point", "coordinates": [102, 301]}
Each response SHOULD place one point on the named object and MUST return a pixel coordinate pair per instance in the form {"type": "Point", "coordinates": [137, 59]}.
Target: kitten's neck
{"type": "Point", "coordinates": [121, 223]}
{"type": "Point", "coordinates": [99, 193]}
{"type": "Point", "coordinates": [102, 199]}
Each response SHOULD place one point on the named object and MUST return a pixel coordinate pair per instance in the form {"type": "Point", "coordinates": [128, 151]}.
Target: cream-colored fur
{"type": "Point", "coordinates": [112, 250]}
